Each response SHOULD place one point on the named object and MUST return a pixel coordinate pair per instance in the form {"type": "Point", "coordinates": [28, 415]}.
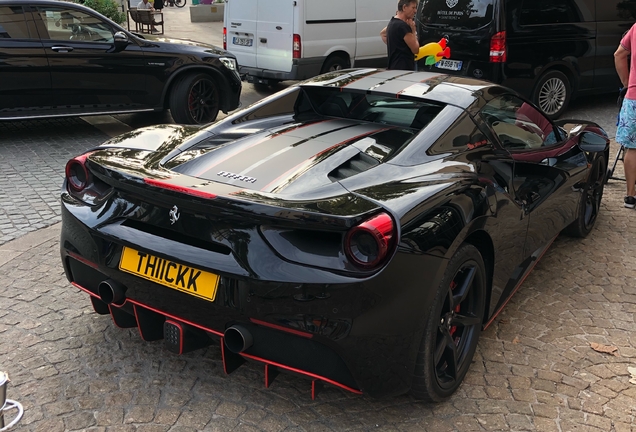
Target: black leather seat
{"type": "Point", "coordinates": [423, 117]}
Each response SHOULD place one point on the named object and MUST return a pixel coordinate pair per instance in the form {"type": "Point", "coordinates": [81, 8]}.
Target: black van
{"type": "Point", "coordinates": [548, 50]}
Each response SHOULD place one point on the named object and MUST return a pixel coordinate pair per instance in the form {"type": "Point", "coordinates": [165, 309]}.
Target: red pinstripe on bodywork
{"type": "Point", "coordinates": [519, 284]}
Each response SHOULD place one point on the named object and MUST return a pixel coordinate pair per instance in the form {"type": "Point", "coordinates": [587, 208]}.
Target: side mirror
{"type": "Point", "coordinates": [591, 142]}
{"type": "Point", "coordinates": [121, 38]}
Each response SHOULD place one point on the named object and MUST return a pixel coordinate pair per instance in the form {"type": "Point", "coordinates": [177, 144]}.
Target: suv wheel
{"type": "Point", "coordinates": [552, 93]}
{"type": "Point", "coordinates": [195, 99]}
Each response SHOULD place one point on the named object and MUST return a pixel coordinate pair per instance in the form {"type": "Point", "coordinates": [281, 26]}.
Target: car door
{"type": "Point", "coordinates": [548, 171]}
{"type": "Point", "coordinates": [274, 34]}
{"type": "Point", "coordinates": [88, 72]}
{"type": "Point", "coordinates": [25, 78]}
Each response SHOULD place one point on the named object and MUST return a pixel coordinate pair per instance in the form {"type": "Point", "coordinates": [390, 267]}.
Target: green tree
{"type": "Point", "coordinates": [108, 8]}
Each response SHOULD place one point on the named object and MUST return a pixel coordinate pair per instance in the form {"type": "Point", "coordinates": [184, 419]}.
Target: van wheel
{"type": "Point", "coordinates": [335, 63]}
{"type": "Point", "coordinates": [552, 93]}
{"type": "Point", "coordinates": [195, 99]}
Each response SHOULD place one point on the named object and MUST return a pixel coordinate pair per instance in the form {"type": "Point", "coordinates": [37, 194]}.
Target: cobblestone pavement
{"type": "Point", "coordinates": [534, 368]}
{"type": "Point", "coordinates": [32, 159]}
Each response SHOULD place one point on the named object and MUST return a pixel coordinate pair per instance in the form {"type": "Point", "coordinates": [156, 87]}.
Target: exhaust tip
{"type": "Point", "coordinates": [237, 339]}
{"type": "Point", "coordinates": [111, 292]}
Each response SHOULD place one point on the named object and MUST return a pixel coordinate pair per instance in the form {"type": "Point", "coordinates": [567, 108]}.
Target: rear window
{"type": "Point", "coordinates": [457, 14]}
{"type": "Point", "coordinates": [369, 107]}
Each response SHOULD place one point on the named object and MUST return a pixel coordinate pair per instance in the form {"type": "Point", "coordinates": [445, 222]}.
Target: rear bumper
{"type": "Point", "coordinates": [361, 337]}
{"type": "Point", "coordinates": [301, 69]}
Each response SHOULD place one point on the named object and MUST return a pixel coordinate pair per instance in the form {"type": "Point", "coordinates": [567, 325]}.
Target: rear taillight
{"type": "Point", "coordinates": [498, 48]}
{"type": "Point", "coordinates": [367, 245]}
{"type": "Point", "coordinates": [77, 174]}
{"type": "Point", "coordinates": [224, 38]}
{"type": "Point", "coordinates": [297, 47]}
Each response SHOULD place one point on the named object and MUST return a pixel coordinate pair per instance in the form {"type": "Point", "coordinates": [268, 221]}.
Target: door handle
{"type": "Point", "coordinates": [62, 49]}
{"type": "Point", "coordinates": [263, 40]}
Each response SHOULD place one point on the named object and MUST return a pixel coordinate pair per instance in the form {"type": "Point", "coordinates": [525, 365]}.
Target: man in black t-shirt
{"type": "Point", "coordinates": [400, 37]}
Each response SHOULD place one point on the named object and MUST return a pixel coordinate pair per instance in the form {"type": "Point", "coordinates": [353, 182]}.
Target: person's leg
{"type": "Point", "coordinates": [625, 132]}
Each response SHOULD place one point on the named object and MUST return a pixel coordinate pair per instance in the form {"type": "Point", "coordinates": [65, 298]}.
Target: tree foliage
{"type": "Point", "coordinates": [108, 8]}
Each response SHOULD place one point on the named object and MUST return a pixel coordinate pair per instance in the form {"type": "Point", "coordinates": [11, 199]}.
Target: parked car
{"type": "Point", "coordinates": [548, 50]}
{"type": "Point", "coordinates": [277, 40]}
{"type": "Point", "coordinates": [59, 58]}
{"type": "Point", "coordinates": [360, 228]}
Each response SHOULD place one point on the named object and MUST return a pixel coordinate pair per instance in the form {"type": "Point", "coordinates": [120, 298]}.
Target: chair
{"type": "Point", "coordinates": [145, 20]}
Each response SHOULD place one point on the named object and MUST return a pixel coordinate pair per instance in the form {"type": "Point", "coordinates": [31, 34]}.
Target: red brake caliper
{"type": "Point", "coordinates": [453, 329]}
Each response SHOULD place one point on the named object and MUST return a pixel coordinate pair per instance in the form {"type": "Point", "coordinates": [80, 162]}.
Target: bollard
{"type": "Point", "coordinates": [8, 404]}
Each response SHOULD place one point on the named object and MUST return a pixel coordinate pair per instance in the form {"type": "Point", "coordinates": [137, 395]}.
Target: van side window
{"type": "Point", "coordinates": [518, 125]}
{"type": "Point", "coordinates": [616, 10]}
{"type": "Point", "coordinates": [534, 12]}
{"type": "Point", "coordinates": [12, 23]}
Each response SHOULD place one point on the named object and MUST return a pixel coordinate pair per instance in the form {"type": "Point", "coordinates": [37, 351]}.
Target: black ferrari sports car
{"type": "Point", "coordinates": [360, 228]}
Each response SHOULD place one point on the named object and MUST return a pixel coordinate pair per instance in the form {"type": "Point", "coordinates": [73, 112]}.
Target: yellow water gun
{"type": "Point", "coordinates": [433, 52]}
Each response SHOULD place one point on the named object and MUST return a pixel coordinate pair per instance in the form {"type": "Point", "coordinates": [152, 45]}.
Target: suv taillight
{"type": "Point", "coordinates": [368, 244]}
{"type": "Point", "coordinates": [297, 47]}
{"type": "Point", "coordinates": [498, 48]}
{"type": "Point", "coordinates": [224, 38]}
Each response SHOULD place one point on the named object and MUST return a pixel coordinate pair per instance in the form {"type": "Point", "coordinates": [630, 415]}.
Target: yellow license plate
{"type": "Point", "coordinates": [171, 274]}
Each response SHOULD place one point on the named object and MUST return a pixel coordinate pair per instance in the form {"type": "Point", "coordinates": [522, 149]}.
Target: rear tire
{"type": "Point", "coordinates": [452, 331]}
{"type": "Point", "coordinates": [334, 64]}
{"type": "Point", "coordinates": [590, 202]}
{"type": "Point", "coordinates": [552, 93]}
{"type": "Point", "coordinates": [195, 99]}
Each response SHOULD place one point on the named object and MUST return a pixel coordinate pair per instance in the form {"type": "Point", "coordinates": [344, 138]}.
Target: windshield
{"type": "Point", "coordinates": [457, 14]}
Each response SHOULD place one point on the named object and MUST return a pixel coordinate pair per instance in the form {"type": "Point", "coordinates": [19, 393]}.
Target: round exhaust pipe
{"type": "Point", "coordinates": [111, 292]}
{"type": "Point", "coordinates": [237, 339]}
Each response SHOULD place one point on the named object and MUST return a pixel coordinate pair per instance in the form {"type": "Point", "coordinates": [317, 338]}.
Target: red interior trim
{"type": "Point", "coordinates": [309, 374]}
{"type": "Point", "coordinates": [520, 283]}
{"type": "Point", "coordinates": [282, 328]}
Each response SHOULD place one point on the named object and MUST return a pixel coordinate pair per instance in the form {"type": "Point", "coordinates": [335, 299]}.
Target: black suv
{"type": "Point", "coordinates": [548, 50]}
{"type": "Point", "coordinates": [63, 59]}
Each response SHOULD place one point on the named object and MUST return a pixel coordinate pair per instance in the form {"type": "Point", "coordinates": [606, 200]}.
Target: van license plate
{"type": "Point", "coordinates": [243, 41]}
{"type": "Point", "coordinates": [449, 64]}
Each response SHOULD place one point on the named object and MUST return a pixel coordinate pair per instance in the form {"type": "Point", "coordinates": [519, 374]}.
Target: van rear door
{"type": "Point", "coordinates": [469, 26]}
{"type": "Point", "coordinates": [240, 23]}
{"type": "Point", "coordinates": [274, 34]}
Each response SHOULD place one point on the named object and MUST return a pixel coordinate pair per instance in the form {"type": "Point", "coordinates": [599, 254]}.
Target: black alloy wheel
{"type": "Point", "coordinates": [179, 3]}
{"type": "Point", "coordinates": [195, 100]}
{"type": "Point", "coordinates": [590, 202]}
{"type": "Point", "coordinates": [453, 329]}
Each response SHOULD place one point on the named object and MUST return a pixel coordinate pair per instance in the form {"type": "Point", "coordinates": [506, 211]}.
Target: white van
{"type": "Point", "coordinates": [277, 40]}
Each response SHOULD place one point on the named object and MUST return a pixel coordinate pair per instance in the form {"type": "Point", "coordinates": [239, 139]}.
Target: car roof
{"type": "Point", "coordinates": [459, 91]}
